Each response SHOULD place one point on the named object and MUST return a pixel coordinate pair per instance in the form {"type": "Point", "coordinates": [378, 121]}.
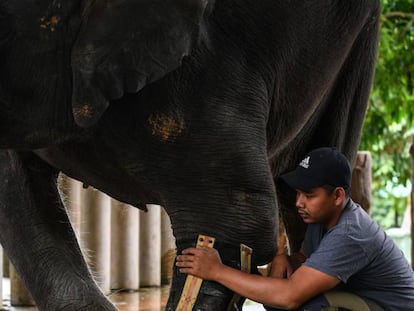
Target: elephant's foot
{"type": "Point", "coordinates": [211, 296]}
{"type": "Point", "coordinates": [70, 292]}
{"type": "Point", "coordinates": [91, 303]}
{"type": "Point", "coordinates": [206, 302]}
{"type": "Point", "coordinates": [37, 235]}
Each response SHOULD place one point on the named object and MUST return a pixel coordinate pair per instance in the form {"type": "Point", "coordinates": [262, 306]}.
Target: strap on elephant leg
{"type": "Point", "coordinates": [245, 266]}
{"type": "Point", "coordinates": [192, 284]}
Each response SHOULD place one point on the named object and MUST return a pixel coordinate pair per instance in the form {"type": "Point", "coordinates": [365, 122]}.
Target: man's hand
{"type": "Point", "coordinates": [202, 262]}
{"type": "Point", "coordinates": [281, 267]}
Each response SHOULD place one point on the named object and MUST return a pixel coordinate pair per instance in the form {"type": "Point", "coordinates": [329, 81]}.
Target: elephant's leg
{"type": "Point", "coordinates": [233, 200]}
{"type": "Point", "coordinates": [291, 225]}
{"type": "Point", "coordinates": [37, 235]}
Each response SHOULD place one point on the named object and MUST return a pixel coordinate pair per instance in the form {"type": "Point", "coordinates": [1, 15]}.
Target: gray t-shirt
{"type": "Point", "coordinates": [360, 254]}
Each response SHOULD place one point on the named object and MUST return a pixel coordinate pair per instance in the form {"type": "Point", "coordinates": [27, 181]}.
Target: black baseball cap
{"type": "Point", "coordinates": [322, 166]}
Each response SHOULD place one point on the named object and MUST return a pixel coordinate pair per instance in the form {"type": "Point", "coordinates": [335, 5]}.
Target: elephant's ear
{"type": "Point", "coordinates": [124, 45]}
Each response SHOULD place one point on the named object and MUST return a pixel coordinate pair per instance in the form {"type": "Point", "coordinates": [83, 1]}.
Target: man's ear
{"type": "Point", "coordinates": [124, 45]}
{"type": "Point", "coordinates": [340, 195]}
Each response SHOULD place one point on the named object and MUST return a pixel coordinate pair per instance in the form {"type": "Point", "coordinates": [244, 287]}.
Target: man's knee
{"type": "Point", "coordinates": [342, 300]}
{"type": "Point", "coordinates": [337, 301]}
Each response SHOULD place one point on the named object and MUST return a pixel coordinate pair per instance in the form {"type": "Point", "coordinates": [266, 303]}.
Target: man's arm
{"type": "Point", "coordinates": [282, 266]}
{"type": "Point", "coordinates": [291, 293]}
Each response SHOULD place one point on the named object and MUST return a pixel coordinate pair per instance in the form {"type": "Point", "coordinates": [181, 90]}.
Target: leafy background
{"type": "Point", "coordinates": [389, 125]}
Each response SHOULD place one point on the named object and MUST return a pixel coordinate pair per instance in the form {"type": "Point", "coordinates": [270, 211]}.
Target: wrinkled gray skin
{"type": "Point", "coordinates": [197, 105]}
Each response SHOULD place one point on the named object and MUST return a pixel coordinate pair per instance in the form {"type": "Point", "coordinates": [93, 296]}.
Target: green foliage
{"type": "Point", "coordinates": [390, 119]}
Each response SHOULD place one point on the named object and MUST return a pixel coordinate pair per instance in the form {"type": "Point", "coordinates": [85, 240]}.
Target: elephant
{"type": "Point", "coordinates": [195, 105]}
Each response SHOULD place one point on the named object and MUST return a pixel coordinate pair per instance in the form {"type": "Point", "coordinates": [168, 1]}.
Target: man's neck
{"type": "Point", "coordinates": [335, 218]}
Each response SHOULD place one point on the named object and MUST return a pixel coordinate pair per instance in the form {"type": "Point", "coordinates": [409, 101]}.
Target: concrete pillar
{"type": "Point", "coordinates": [124, 247]}
{"type": "Point", "coordinates": [70, 191]}
{"type": "Point", "coordinates": [168, 248]}
{"type": "Point", "coordinates": [150, 247]}
{"type": "Point", "coordinates": [19, 295]}
{"type": "Point", "coordinates": [95, 234]}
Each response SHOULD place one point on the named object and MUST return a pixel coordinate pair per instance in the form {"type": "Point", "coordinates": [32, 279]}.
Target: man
{"type": "Point", "coordinates": [350, 262]}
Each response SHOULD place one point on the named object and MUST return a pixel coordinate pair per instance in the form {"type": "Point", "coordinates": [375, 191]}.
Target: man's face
{"type": "Point", "coordinates": [317, 206]}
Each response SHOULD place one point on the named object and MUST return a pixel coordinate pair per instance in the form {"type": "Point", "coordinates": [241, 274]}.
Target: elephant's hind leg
{"type": "Point", "coordinates": [36, 233]}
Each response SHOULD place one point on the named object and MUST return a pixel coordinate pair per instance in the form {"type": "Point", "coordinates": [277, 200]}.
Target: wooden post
{"type": "Point", "coordinates": [19, 295]}
{"type": "Point", "coordinates": [150, 247]}
{"type": "Point", "coordinates": [1, 275]}
{"type": "Point", "coordinates": [124, 247]}
{"type": "Point", "coordinates": [95, 235]}
{"type": "Point", "coordinates": [412, 202]}
{"type": "Point", "coordinates": [362, 179]}
{"type": "Point", "coordinates": [168, 251]}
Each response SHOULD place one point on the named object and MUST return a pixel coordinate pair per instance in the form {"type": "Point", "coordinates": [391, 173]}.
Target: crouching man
{"type": "Point", "coordinates": [349, 263]}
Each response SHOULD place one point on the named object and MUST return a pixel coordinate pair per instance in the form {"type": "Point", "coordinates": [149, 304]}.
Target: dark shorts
{"type": "Point", "coordinates": [337, 301]}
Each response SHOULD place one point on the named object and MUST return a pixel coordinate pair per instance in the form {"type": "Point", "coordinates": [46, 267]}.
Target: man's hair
{"type": "Point", "coordinates": [330, 189]}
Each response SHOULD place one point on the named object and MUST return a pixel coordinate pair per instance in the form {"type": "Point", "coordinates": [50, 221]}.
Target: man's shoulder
{"type": "Point", "coordinates": [353, 208]}
{"type": "Point", "coordinates": [359, 230]}
{"type": "Point", "coordinates": [354, 217]}
{"type": "Point", "coordinates": [355, 224]}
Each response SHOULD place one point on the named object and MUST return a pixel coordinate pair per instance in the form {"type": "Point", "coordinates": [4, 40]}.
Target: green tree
{"type": "Point", "coordinates": [390, 118]}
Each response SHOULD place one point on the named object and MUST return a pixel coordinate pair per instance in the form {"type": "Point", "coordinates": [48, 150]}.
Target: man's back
{"type": "Point", "coordinates": [359, 253]}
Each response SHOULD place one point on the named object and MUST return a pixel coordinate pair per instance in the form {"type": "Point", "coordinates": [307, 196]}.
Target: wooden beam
{"type": "Point", "coordinates": [412, 203]}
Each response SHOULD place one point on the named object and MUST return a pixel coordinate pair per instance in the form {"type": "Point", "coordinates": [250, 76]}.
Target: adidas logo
{"type": "Point", "coordinates": [305, 162]}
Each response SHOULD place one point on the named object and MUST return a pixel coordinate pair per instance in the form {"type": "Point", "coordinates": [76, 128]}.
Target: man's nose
{"type": "Point", "coordinates": [299, 200]}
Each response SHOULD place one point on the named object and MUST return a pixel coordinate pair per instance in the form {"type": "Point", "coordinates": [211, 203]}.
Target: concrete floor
{"type": "Point", "coordinates": [146, 299]}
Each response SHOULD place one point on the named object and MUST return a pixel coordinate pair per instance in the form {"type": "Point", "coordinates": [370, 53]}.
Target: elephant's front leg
{"type": "Point", "coordinates": [37, 235]}
{"type": "Point", "coordinates": [231, 199]}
